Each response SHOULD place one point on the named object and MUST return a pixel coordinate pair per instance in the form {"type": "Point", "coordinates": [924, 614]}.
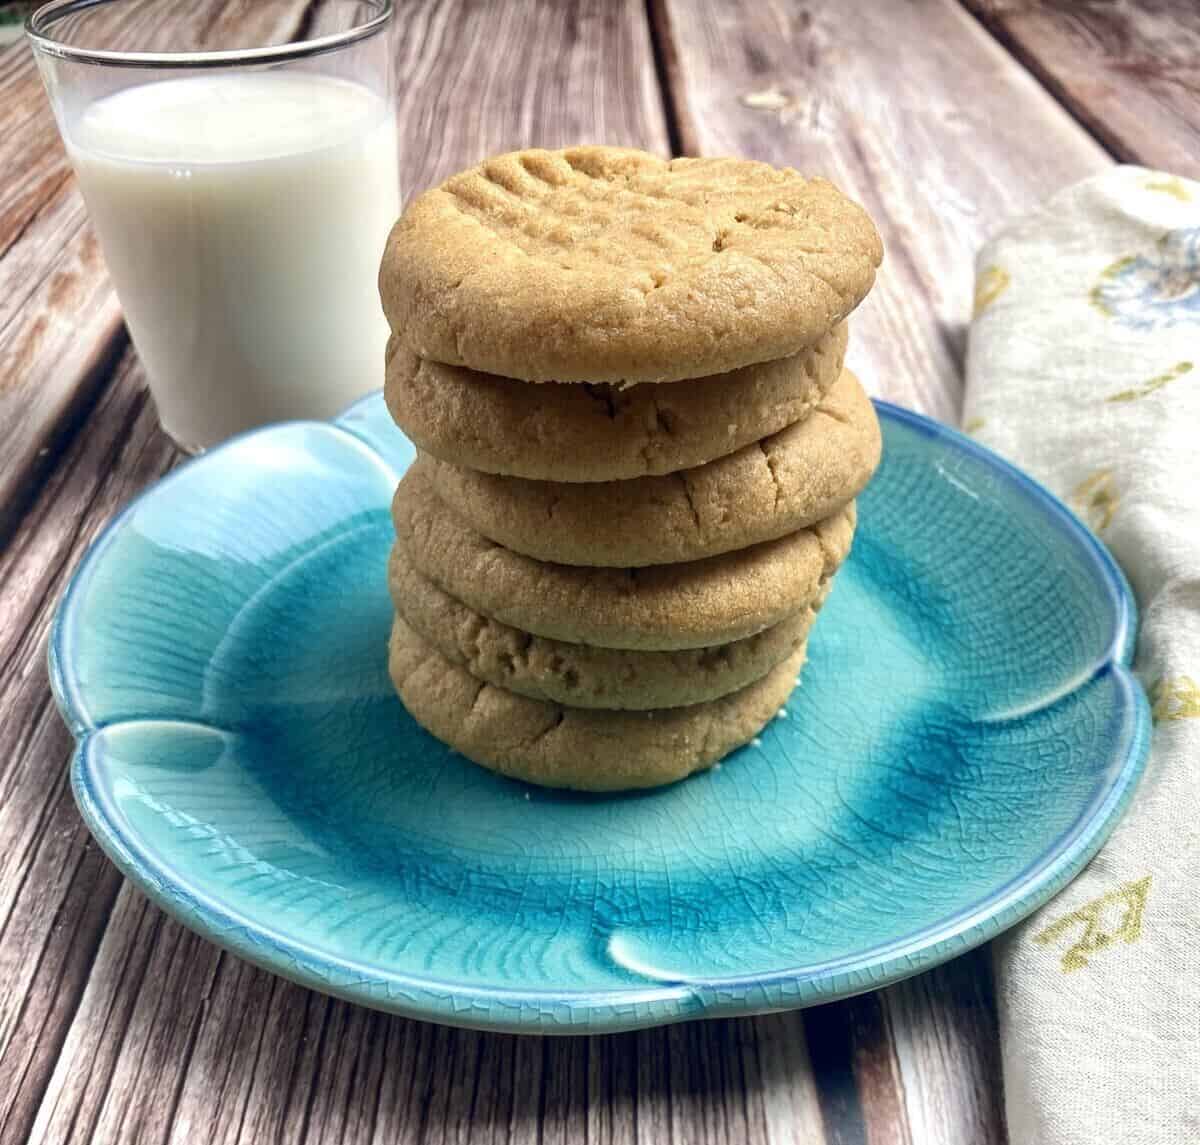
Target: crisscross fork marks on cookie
{"type": "Point", "coordinates": [552, 206]}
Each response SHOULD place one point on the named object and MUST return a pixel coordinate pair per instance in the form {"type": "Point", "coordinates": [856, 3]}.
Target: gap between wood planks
{"type": "Point", "coordinates": [666, 68]}
{"type": "Point", "coordinates": [1128, 73]}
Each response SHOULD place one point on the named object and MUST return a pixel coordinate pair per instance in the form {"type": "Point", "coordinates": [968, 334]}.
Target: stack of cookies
{"type": "Point", "coordinates": [638, 454]}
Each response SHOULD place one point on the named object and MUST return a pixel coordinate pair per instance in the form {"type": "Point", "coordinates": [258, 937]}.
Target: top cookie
{"type": "Point", "coordinates": [603, 264]}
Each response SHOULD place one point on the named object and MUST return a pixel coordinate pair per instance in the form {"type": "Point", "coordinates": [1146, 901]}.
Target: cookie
{"type": "Point", "coordinates": [579, 674]}
{"type": "Point", "coordinates": [790, 480]}
{"type": "Point", "coordinates": [558, 746]}
{"type": "Point", "coordinates": [602, 264]}
{"type": "Point", "coordinates": [601, 432]}
{"type": "Point", "coordinates": [665, 607]}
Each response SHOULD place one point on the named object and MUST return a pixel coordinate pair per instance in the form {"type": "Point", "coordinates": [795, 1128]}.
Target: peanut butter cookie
{"type": "Point", "coordinates": [603, 264]}
{"type": "Point", "coordinates": [579, 674]}
{"type": "Point", "coordinates": [558, 746]}
{"type": "Point", "coordinates": [601, 432]}
{"type": "Point", "coordinates": [713, 601]}
{"type": "Point", "coordinates": [786, 482]}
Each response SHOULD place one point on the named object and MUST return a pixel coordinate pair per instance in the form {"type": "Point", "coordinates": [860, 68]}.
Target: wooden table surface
{"type": "Point", "coordinates": [943, 119]}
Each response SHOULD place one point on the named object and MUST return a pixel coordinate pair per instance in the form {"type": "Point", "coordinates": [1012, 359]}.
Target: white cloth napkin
{"type": "Point", "coordinates": [1084, 369]}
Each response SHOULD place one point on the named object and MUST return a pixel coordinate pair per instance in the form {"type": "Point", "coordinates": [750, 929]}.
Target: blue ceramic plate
{"type": "Point", "coordinates": [966, 735]}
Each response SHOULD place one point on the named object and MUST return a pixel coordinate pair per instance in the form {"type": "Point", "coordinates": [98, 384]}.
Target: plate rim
{"type": "Point", "coordinates": [583, 1011]}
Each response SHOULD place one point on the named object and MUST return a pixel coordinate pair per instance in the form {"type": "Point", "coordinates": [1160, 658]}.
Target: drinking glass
{"type": "Point", "coordinates": [242, 176]}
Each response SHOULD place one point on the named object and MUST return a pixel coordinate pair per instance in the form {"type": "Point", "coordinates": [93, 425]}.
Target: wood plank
{"type": "Point", "coordinates": [175, 1041]}
{"type": "Point", "coordinates": [60, 324]}
{"type": "Point", "coordinates": [874, 1070]}
{"type": "Point", "coordinates": [56, 888]}
{"type": "Point", "coordinates": [914, 110]}
{"type": "Point", "coordinates": [943, 1026]}
{"type": "Point", "coordinates": [468, 87]}
{"type": "Point", "coordinates": [831, 1046]}
{"type": "Point", "coordinates": [1129, 72]}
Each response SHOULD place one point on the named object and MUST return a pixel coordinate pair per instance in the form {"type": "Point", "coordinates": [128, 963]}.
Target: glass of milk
{"type": "Point", "coordinates": [242, 193]}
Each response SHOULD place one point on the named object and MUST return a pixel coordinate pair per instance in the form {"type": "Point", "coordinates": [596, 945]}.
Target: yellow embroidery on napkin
{"type": "Point", "coordinates": [1175, 698]}
{"type": "Point", "coordinates": [1172, 186]}
{"type": "Point", "coordinates": [1155, 383]}
{"type": "Point", "coordinates": [1096, 294]}
{"type": "Point", "coordinates": [1100, 932]}
{"type": "Point", "coordinates": [992, 282]}
{"type": "Point", "coordinates": [974, 425]}
{"type": "Point", "coordinates": [1096, 499]}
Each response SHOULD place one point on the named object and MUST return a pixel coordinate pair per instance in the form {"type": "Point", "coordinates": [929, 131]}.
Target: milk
{"type": "Point", "coordinates": [242, 217]}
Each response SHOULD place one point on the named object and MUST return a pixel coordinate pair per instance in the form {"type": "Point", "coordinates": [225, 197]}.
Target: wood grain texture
{"type": "Point", "coordinates": [468, 87]}
{"type": "Point", "coordinates": [175, 1041]}
{"type": "Point", "coordinates": [56, 888]}
{"type": "Point", "coordinates": [945, 1046]}
{"type": "Point", "coordinates": [912, 109]}
{"type": "Point", "coordinates": [875, 1070]}
{"type": "Point", "coordinates": [1129, 72]}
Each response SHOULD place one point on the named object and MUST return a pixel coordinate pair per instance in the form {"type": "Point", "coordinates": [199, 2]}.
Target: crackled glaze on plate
{"type": "Point", "coordinates": [965, 737]}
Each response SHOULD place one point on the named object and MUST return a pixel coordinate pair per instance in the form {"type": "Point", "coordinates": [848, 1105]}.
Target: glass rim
{"type": "Point", "coordinates": [41, 20]}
